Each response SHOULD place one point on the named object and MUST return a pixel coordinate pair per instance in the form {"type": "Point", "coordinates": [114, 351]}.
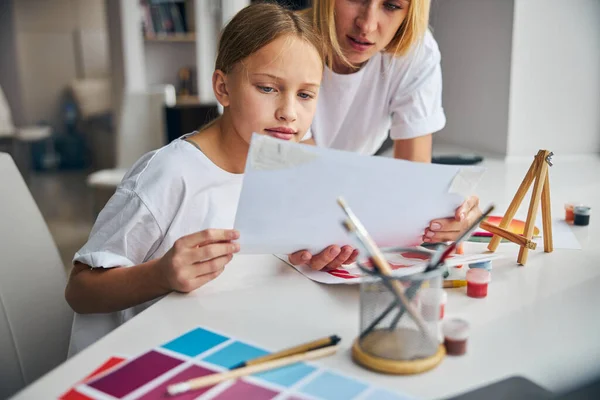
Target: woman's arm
{"type": "Point", "coordinates": [415, 149]}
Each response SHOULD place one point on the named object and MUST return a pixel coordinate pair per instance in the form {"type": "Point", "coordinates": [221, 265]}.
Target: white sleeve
{"type": "Point", "coordinates": [124, 234]}
{"type": "Point", "coordinates": [416, 107]}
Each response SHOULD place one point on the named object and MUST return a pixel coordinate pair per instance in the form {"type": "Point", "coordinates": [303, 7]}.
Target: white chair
{"type": "Point", "coordinates": [35, 320]}
{"type": "Point", "coordinates": [7, 128]}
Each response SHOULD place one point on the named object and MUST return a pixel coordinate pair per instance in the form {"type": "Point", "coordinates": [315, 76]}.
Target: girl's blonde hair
{"type": "Point", "coordinates": [256, 26]}
{"type": "Point", "coordinates": [411, 31]}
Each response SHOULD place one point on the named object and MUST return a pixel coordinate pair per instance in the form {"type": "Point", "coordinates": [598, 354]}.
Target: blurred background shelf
{"type": "Point", "coordinates": [172, 38]}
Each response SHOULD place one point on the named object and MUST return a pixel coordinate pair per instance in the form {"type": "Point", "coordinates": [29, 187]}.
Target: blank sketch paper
{"type": "Point", "coordinates": [288, 199]}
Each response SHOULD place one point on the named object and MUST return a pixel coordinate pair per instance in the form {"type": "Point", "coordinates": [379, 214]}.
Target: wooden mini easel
{"type": "Point", "coordinates": [541, 192]}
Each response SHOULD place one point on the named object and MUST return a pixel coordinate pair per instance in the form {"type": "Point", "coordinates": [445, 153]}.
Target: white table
{"type": "Point", "coordinates": [540, 321]}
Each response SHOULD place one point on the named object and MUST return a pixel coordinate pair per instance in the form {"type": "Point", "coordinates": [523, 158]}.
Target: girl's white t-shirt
{"type": "Point", "coordinates": [169, 193]}
{"type": "Point", "coordinates": [399, 95]}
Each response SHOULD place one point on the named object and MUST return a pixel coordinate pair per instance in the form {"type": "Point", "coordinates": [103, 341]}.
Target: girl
{"type": "Point", "coordinates": [383, 77]}
{"type": "Point", "coordinates": [162, 230]}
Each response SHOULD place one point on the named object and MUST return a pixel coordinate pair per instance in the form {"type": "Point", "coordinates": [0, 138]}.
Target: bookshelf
{"type": "Point", "coordinates": [168, 28]}
{"type": "Point", "coordinates": [162, 18]}
{"type": "Point", "coordinates": [178, 38]}
{"type": "Point", "coordinates": [172, 38]}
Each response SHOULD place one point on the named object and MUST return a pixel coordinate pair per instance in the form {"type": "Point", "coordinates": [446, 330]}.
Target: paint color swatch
{"type": "Point", "coordinates": [195, 342]}
{"type": "Point", "coordinates": [135, 374]}
{"type": "Point", "coordinates": [73, 394]}
{"type": "Point", "coordinates": [201, 352]}
{"type": "Point", "coordinates": [191, 372]}
{"type": "Point", "coordinates": [234, 354]}
{"type": "Point", "coordinates": [331, 386]}
{"type": "Point", "coordinates": [247, 391]}
{"type": "Point", "coordinates": [288, 376]}
{"type": "Point", "coordinates": [484, 239]}
{"type": "Point", "coordinates": [109, 364]}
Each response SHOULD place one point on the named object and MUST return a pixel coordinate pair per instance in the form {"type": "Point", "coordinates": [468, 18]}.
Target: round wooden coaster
{"type": "Point", "coordinates": [396, 367]}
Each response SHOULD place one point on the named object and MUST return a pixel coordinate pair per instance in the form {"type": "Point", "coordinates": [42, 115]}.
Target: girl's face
{"type": "Point", "coordinates": [274, 90]}
{"type": "Point", "coordinates": [365, 27]}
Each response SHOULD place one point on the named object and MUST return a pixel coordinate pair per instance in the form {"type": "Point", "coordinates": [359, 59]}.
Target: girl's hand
{"type": "Point", "coordinates": [331, 258]}
{"type": "Point", "coordinates": [449, 229]}
{"type": "Point", "coordinates": [197, 259]}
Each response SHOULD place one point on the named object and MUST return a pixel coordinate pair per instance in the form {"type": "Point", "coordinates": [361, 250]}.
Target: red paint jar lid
{"type": "Point", "coordinates": [478, 276]}
{"type": "Point", "coordinates": [456, 329]}
{"type": "Point", "coordinates": [433, 296]}
{"type": "Point", "coordinates": [572, 204]}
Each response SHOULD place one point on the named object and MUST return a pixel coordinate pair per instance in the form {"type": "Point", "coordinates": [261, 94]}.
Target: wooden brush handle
{"type": "Point", "coordinates": [214, 379]}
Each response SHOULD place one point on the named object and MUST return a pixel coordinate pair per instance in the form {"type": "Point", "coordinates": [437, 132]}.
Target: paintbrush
{"type": "Point", "coordinates": [214, 379]}
{"type": "Point", "coordinates": [354, 225]}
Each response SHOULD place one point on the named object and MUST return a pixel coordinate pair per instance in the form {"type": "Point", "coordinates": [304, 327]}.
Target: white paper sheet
{"type": "Point", "coordinates": [352, 275]}
{"type": "Point", "coordinates": [562, 236]}
{"type": "Point", "coordinates": [288, 199]}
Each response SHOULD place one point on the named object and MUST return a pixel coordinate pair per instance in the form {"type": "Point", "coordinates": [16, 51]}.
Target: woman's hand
{"type": "Point", "coordinates": [449, 229]}
{"type": "Point", "coordinates": [331, 258]}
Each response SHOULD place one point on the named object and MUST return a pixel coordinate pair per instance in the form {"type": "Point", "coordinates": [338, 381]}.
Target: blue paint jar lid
{"type": "Point", "coordinates": [582, 210]}
{"type": "Point", "coordinates": [487, 265]}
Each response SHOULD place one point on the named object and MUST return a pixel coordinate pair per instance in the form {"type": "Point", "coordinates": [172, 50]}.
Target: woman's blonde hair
{"type": "Point", "coordinates": [411, 31]}
{"type": "Point", "coordinates": [256, 26]}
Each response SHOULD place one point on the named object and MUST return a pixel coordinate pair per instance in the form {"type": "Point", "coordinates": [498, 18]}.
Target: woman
{"type": "Point", "coordinates": [383, 78]}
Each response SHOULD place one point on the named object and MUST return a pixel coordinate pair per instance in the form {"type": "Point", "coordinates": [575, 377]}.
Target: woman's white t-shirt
{"type": "Point", "coordinates": [399, 95]}
{"type": "Point", "coordinates": [169, 193]}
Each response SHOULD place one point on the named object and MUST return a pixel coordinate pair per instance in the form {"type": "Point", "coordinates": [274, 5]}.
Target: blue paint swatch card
{"type": "Point", "coordinates": [195, 342]}
{"type": "Point", "coordinates": [331, 386]}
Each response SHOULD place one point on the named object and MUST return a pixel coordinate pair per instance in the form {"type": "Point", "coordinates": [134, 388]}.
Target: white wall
{"type": "Point", "coordinates": [520, 75]}
{"type": "Point", "coordinates": [231, 7]}
{"type": "Point", "coordinates": [115, 51]}
{"type": "Point", "coordinates": [133, 46]}
{"type": "Point", "coordinates": [208, 19]}
{"type": "Point", "coordinates": [474, 37]}
{"type": "Point", "coordinates": [92, 56]}
{"type": "Point", "coordinates": [9, 72]}
{"type": "Point", "coordinates": [128, 79]}
{"type": "Point", "coordinates": [164, 59]}
{"type": "Point", "coordinates": [47, 54]}
{"type": "Point", "coordinates": [555, 84]}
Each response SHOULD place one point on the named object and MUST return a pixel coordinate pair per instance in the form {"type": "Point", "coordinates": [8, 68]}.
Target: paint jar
{"type": "Point", "coordinates": [477, 282]}
{"type": "Point", "coordinates": [570, 211]}
{"type": "Point", "coordinates": [487, 265]}
{"type": "Point", "coordinates": [581, 215]}
{"type": "Point", "coordinates": [460, 249]}
{"type": "Point", "coordinates": [433, 303]}
{"type": "Point", "coordinates": [456, 333]}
